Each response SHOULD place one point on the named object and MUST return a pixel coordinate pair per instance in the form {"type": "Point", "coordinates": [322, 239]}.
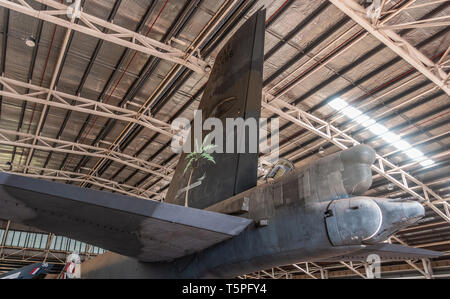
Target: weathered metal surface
{"type": "Point", "coordinates": [295, 207]}
{"type": "Point", "coordinates": [345, 226]}
{"type": "Point", "coordinates": [144, 229]}
{"type": "Point", "coordinates": [340, 175]}
{"type": "Point", "coordinates": [365, 220]}
{"type": "Point", "coordinates": [296, 232]}
{"type": "Point", "coordinates": [236, 205]}
{"type": "Point", "coordinates": [233, 91]}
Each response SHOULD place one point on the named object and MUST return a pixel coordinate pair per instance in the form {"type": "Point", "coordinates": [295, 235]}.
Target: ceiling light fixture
{"type": "Point", "coordinates": [30, 42]}
{"type": "Point", "coordinates": [321, 150]}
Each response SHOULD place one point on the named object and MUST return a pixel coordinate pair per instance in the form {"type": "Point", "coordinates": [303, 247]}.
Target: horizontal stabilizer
{"type": "Point", "coordinates": [387, 251]}
{"type": "Point", "coordinates": [145, 229]}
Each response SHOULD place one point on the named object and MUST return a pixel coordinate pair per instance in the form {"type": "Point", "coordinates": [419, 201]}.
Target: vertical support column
{"type": "Point", "coordinates": [368, 272]}
{"type": "Point", "coordinates": [447, 208]}
{"type": "Point", "coordinates": [88, 253]}
{"type": "Point", "coordinates": [4, 239]}
{"type": "Point", "coordinates": [47, 247]}
{"type": "Point", "coordinates": [323, 273]}
{"type": "Point", "coordinates": [427, 268]}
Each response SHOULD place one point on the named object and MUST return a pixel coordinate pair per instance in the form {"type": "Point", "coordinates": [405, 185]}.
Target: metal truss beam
{"type": "Point", "coordinates": [339, 138]}
{"type": "Point", "coordinates": [433, 71]}
{"type": "Point", "coordinates": [306, 271]}
{"type": "Point", "coordinates": [145, 108]}
{"type": "Point", "coordinates": [354, 125]}
{"type": "Point", "coordinates": [433, 22]}
{"type": "Point", "coordinates": [393, 194]}
{"type": "Point", "coordinates": [61, 146]}
{"type": "Point", "coordinates": [352, 268]}
{"type": "Point", "coordinates": [433, 138]}
{"type": "Point", "coordinates": [2, 245]}
{"type": "Point", "coordinates": [355, 267]}
{"type": "Point", "coordinates": [32, 255]}
{"type": "Point", "coordinates": [47, 247]}
{"type": "Point", "coordinates": [67, 176]}
{"type": "Point", "coordinates": [118, 35]}
{"type": "Point", "coordinates": [280, 91]}
{"type": "Point", "coordinates": [426, 272]}
{"type": "Point", "coordinates": [13, 89]}
{"type": "Point", "coordinates": [447, 208]}
{"type": "Point", "coordinates": [283, 274]}
{"type": "Point", "coordinates": [58, 66]}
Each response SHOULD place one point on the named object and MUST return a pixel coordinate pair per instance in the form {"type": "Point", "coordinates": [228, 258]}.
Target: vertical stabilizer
{"type": "Point", "coordinates": [233, 91]}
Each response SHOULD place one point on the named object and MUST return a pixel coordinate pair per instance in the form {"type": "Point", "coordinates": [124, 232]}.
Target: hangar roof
{"type": "Point", "coordinates": [91, 102]}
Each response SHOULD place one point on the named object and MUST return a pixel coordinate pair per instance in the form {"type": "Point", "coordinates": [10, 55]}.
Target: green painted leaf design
{"type": "Point", "coordinates": [190, 156]}
{"type": "Point", "coordinates": [187, 166]}
{"type": "Point", "coordinates": [208, 157]}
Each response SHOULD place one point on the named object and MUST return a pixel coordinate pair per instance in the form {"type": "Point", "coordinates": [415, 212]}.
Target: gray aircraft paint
{"type": "Point", "coordinates": [233, 91]}
{"type": "Point", "coordinates": [147, 230]}
{"type": "Point", "coordinates": [297, 208]}
{"type": "Point", "coordinates": [314, 213]}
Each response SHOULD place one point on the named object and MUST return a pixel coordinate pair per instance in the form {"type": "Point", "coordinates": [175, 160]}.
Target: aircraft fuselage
{"type": "Point", "coordinates": [314, 213]}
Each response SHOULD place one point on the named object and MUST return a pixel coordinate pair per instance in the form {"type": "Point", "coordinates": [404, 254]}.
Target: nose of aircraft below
{"type": "Point", "coordinates": [396, 215]}
{"type": "Point", "coordinates": [366, 220]}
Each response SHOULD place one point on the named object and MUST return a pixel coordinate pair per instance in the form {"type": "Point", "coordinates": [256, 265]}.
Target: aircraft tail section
{"type": "Point", "coordinates": [233, 92]}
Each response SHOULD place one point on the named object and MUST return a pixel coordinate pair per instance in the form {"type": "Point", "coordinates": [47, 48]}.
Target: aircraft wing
{"type": "Point", "coordinates": [35, 271]}
{"type": "Point", "coordinates": [147, 230]}
{"type": "Point", "coordinates": [387, 251]}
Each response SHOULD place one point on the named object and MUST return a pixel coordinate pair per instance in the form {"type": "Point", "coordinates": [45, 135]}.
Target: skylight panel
{"type": "Point", "coordinates": [414, 153]}
{"type": "Point", "coordinates": [338, 104]}
{"type": "Point", "coordinates": [378, 129]}
{"type": "Point", "coordinates": [427, 162]}
{"type": "Point", "coordinates": [390, 137]}
{"type": "Point", "coordinates": [393, 139]}
{"type": "Point", "coordinates": [351, 112]}
{"type": "Point", "coordinates": [402, 145]}
{"type": "Point", "coordinates": [365, 121]}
